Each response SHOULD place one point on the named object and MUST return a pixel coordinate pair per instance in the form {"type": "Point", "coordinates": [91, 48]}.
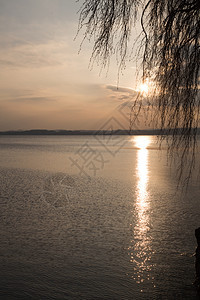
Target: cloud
{"type": "Point", "coordinates": [11, 92]}
{"type": "Point", "coordinates": [24, 96]}
{"type": "Point", "coordinates": [27, 56]}
{"type": "Point", "coordinates": [32, 99]}
{"type": "Point", "coordinates": [28, 12]}
{"type": "Point", "coordinates": [7, 63]}
{"type": "Point", "coordinates": [122, 94]}
{"type": "Point", "coordinates": [35, 34]}
{"type": "Point", "coordinates": [120, 89]}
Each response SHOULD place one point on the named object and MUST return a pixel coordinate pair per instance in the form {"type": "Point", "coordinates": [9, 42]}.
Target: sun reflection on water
{"type": "Point", "coordinates": [141, 251]}
{"type": "Point", "coordinates": [142, 197]}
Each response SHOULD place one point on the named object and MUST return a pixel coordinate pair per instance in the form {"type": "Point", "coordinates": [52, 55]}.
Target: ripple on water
{"type": "Point", "coordinates": [70, 237]}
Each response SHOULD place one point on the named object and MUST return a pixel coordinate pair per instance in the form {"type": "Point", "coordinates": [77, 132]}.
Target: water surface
{"type": "Point", "coordinates": [86, 217]}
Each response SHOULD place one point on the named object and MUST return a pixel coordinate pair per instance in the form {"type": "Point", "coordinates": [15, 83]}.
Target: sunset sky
{"type": "Point", "coordinates": [44, 82]}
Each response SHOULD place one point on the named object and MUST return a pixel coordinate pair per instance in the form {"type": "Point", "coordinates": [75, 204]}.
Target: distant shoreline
{"type": "Point", "coordinates": [81, 132]}
{"type": "Point", "coordinates": [88, 132]}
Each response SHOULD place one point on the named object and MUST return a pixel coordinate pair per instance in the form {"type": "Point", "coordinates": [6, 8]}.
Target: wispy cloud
{"type": "Point", "coordinates": [44, 82]}
{"type": "Point", "coordinates": [32, 99]}
{"type": "Point", "coordinates": [27, 56]}
{"type": "Point", "coordinates": [121, 89]}
{"type": "Point", "coordinates": [11, 92]}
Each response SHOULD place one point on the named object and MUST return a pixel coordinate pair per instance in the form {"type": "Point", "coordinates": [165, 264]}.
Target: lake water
{"type": "Point", "coordinates": [86, 217]}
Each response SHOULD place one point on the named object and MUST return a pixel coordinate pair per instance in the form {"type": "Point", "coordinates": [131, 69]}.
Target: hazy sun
{"type": "Point", "coordinates": [144, 88]}
{"type": "Point", "coordinates": [142, 142]}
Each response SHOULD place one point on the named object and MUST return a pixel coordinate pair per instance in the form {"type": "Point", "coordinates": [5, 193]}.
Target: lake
{"type": "Point", "coordinates": [95, 217]}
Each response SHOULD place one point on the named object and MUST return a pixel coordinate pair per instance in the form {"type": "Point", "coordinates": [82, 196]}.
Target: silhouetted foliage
{"type": "Point", "coordinates": [170, 47]}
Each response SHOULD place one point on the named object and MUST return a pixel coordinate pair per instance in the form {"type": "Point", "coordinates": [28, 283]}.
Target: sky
{"type": "Point", "coordinates": [45, 82]}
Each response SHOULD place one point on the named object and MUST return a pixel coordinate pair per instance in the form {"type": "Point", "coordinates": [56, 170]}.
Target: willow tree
{"type": "Point", "coordinates": [170, 48]}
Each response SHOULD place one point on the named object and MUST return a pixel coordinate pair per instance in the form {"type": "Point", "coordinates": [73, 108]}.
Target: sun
{"type": "Point", "coordinates": [144, 88]}
{"type": "Point", "coordinates": [142, 142]}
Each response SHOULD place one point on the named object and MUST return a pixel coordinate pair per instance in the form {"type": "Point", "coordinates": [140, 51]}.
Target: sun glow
{"type": "Point", "coordinates": [141, 142]}
{"type": "Point", "coordinates": [144, 88]}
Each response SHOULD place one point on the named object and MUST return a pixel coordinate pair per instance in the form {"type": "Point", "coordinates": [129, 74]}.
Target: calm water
{"type": "Point", "coordinates": [94, 218]}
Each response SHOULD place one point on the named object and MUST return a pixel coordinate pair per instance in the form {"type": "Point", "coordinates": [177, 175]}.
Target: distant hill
{"type": "Point", "coordinates": [86, 132]}
{"type": "Point", "coordinates": [79, 132]}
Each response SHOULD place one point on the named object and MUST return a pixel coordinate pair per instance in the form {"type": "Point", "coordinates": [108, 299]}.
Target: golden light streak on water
{"type": "Point", "coordinates": [141, 244]}
{"type": "Point", "coordinates": [142, 197]}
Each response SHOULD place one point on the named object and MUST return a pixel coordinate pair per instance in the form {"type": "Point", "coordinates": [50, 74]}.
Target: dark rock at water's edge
{"type": "Point", "coordinates": [197, 261]}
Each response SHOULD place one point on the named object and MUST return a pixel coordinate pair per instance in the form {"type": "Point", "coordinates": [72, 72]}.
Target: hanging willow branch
{"type": "Point", "coordinates": [171, 55]}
